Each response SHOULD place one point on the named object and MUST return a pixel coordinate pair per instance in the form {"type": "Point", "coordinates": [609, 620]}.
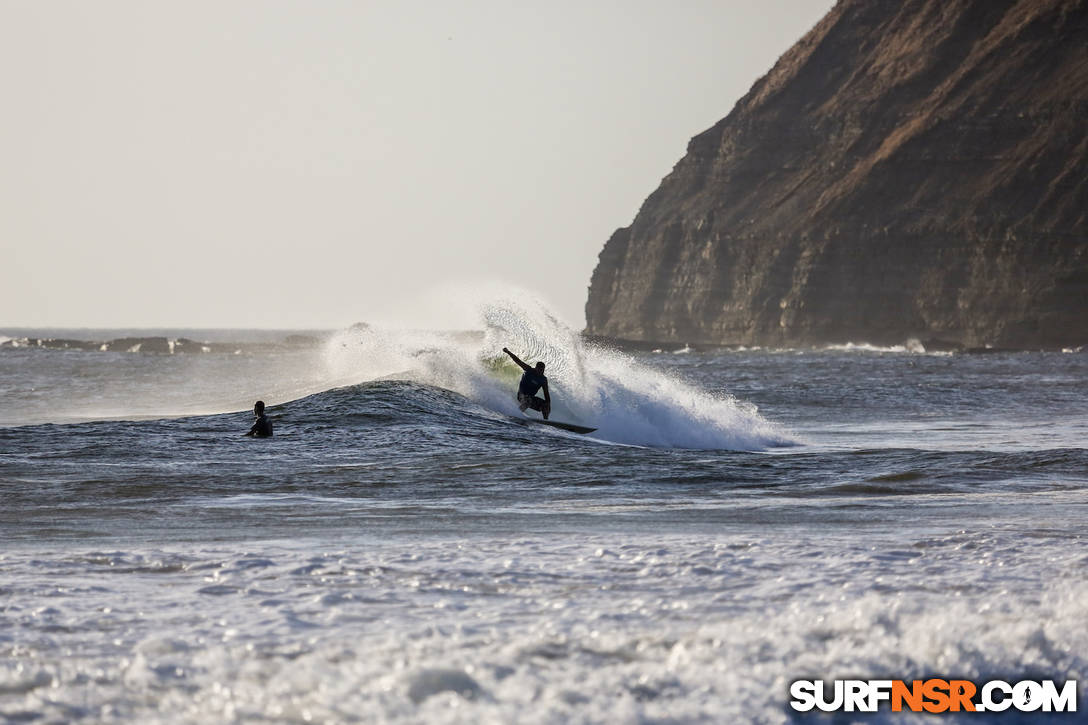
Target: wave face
{"type": "Point", "coordinates": [625, 400]}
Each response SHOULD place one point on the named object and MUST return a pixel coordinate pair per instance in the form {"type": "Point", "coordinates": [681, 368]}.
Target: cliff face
{"type": "Point", "coordinates": [910, 168]}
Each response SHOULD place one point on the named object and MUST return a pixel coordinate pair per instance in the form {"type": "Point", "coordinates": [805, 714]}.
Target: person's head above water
{"type": "Point", "coordinates": [258, 408]}
{"type": "Point", "coordinates": [540, 367]}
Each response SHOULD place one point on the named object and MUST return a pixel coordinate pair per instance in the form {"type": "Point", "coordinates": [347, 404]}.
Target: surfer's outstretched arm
{"type": "Point", "coordinates": [517, 359]}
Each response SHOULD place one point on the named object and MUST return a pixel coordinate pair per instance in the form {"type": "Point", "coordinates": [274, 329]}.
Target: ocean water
{"type": "Point", "coordinates": [407, 548]}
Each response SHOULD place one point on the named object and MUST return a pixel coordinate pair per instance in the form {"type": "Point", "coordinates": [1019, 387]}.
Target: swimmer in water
{"type": "Point", "coordinates": [262, 427]}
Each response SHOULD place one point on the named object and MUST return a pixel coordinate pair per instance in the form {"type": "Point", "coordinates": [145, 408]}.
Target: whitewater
{"type": "Point", "coordinates": [405, 549]}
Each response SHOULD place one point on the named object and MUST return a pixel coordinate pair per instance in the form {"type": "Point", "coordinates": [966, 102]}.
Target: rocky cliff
{"type": "Point", "coordinates": [909, 169]}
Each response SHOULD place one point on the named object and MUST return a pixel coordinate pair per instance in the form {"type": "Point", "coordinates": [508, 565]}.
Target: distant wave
{"type": "Point", "coordinates": [912, 345]}
{"type": "Point", "coordinates": [155, 344]}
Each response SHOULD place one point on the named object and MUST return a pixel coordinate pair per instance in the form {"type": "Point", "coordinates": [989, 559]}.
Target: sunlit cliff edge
{"type": "Point", "coordinates": [912, 169]}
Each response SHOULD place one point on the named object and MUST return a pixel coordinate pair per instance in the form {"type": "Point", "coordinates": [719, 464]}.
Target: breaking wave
{"type": "Point", "coordinates": [626, 401]}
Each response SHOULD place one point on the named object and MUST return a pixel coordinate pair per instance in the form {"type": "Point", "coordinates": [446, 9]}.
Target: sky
{"type": "Point", "coordinates": [273, 164]}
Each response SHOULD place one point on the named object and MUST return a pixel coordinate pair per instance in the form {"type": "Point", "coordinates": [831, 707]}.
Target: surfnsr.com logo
{"type": "Point", "coordinates": [933, 696]}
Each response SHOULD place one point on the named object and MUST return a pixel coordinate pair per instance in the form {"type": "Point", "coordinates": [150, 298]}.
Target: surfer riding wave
{"type": "Point", "coordinates": [531, 381]}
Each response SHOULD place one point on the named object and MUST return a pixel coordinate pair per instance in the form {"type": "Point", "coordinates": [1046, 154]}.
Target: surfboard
{"type": "Point", "coordinates": [573, 428]}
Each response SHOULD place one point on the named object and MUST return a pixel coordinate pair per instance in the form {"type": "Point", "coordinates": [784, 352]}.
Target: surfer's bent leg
{"type": "Point", "coordinates": [531, 401]}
